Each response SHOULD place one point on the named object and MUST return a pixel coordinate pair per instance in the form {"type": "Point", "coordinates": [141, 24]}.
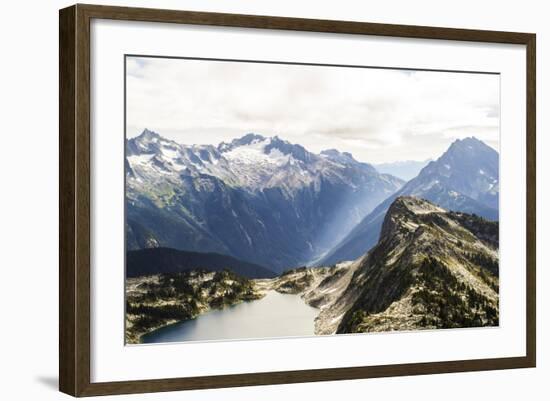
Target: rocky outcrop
{"type": "Point", "coordinates": [464, 179]}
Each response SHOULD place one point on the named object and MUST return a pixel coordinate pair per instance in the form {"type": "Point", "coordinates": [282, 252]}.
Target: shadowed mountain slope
{"type": "Point", "coordinates": [263, 200]}
{"type": "Point", "coordinates": [145, 262]}
{"type": "Point", "coordinates": [465, 178]}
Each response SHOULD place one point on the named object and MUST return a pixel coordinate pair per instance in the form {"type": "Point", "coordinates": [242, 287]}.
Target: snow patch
{"type": "Point", "coordinates": [169, 153]}
{"type": "Point", "coordinates": [140, 159]}
{"type": "Point", "coordinates": [254, 153]}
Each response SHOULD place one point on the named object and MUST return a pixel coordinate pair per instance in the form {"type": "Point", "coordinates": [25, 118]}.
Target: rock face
{"type": "Point", "coordinates": [465, 178]}
{"type": "Point", "coordinates": [431, 269]}
{"type": "Point", "coordinates": [261, 200]}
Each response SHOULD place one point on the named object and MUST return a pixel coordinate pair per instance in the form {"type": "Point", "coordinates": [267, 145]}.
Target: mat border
{"type": "Point", "coordinates": [74, 198]}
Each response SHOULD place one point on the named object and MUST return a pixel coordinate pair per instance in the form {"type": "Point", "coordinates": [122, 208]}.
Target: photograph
{"type": "Point", "coordinates": [270, 199]}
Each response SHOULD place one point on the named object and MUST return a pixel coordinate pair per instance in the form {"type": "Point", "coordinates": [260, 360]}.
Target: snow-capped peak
{"type": "Point", "coordinates": [250, 162]}
{"type": "Point", "coordinates": [148, 134]}
{"type": "Point", "coordinates": [257, 148]}
{"type": "Point", "coordinates": [149, 142]}
{"type": "Point", "coordinates": [253, 149]}
{"type": "Point", "coordinates": [248, 139]}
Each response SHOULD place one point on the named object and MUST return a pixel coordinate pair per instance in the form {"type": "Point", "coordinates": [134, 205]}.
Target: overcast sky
{"type": "Point", "coordinates": [377, 115]}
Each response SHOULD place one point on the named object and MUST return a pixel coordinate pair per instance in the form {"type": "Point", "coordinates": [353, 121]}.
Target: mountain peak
{"type": "Point", "coordinates": [441, 268]}
{"type": "Point", "coordinates": [337, 155]}
{"type": "Point", "coordinates": [465, 179]}
{"type": "Point", "coordinates": [414, 205]}
{"type": "Point", "coordinates": [145, 143]}
{"type": "Point", "coordinates": [467, 157]}
{"type": "Point", "coordinates": [249, 138]}
{"type": "Point", "coordinates": [469, 140]}
{"type": "Point", "coordinates": [245, 140]}
{"type": "Point", "coordinates": [346, 159]}
{"type": "Point", "coordinates": [148, 134]}
{"type": "Point", "coordinates": [469, 144]}
{"type": "Point", "coordinates": [403, 214]}
{"type": "Point", "coordinates": [259, 144]}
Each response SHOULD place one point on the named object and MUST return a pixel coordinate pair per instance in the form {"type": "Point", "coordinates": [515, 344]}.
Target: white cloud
{"type": "Point", "coordinates": [376, 114]}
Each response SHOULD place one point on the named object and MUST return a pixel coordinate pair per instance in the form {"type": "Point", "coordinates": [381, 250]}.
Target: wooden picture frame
{"type": "Point", "coordinates": [74, 199]}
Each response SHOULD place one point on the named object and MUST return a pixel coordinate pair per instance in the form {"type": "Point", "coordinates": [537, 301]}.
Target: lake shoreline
{"type": "Point", "coordinates": [274, 315]}
{"type": "Point", "coordinates": [198, 315]}
{"type": "Point", "coordinates": [315, 287]}
{"type": "Point", "coordinates": [155, 301]}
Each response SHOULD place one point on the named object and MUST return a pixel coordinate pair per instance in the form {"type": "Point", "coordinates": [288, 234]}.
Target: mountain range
{"type": "Point", "coordinates": [261, 200]}
{"type": "Point", "coordinates": [406, 170]}
{"type": "Point", "coordinates": [271, 203]}
{"type": "Point", "coordinates": [465, 178]}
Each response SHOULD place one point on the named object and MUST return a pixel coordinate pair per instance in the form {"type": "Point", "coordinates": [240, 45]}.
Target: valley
{"type": "Point", "coordinates": [464, 179]}
{"type": "Point", "coordinates": [430, 269]}
{"type": "Point", "coordinates": [258, 199]}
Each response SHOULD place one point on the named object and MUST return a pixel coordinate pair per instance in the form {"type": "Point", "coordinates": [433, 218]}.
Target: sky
{"type": "Point", "coordinates": [378, 115]}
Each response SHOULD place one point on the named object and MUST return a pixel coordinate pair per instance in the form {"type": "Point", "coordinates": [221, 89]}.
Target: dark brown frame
{"type": "Point", "coordinates": [74, 199]}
